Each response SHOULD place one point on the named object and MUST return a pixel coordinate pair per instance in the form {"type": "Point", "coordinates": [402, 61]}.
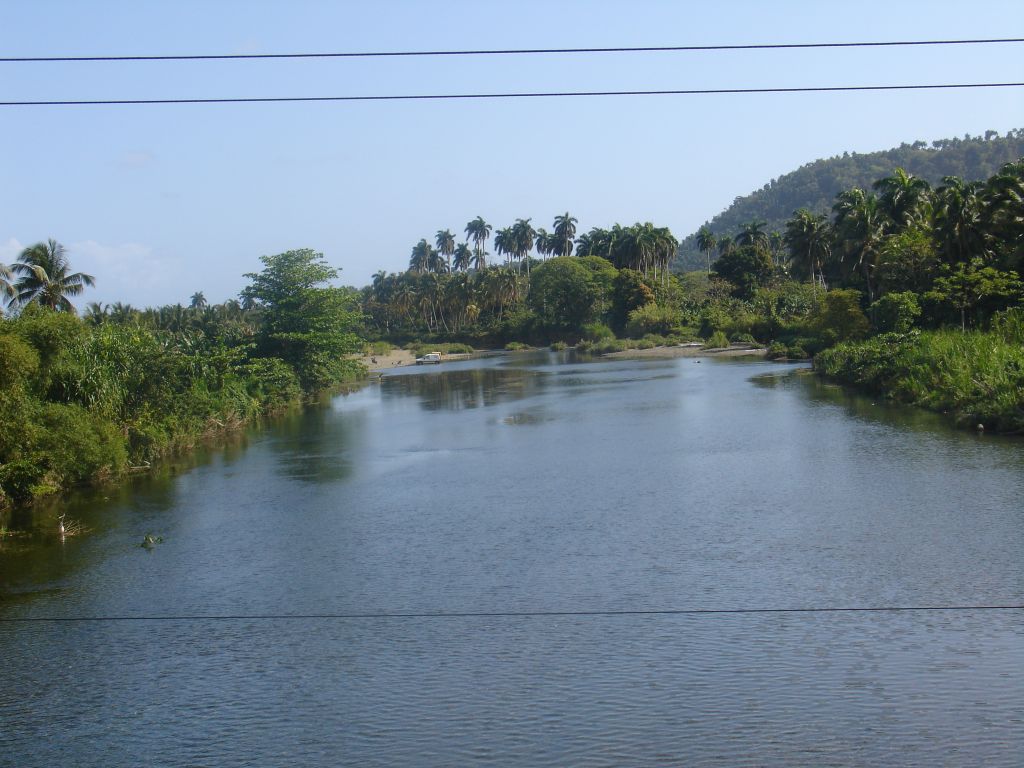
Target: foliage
{"type": "Point", "coordinates": [747, 268]}
{"type": "Point", "coordinates": [653, 318]}
{"type": "Point", "coordinates": [896, 312]}
{"type": "Point", "coordinates": [839, 317]}
{"type": "Point", "coordinates": [305, 322]}
{"type": "Point", "coordinates": [814, 186]}
{"type": "Point", "coordinates": [977, 377]}
{"type": "Point", "coordinates": [974, 287]}
{"type": "Point", "coordinates": [717, 340]}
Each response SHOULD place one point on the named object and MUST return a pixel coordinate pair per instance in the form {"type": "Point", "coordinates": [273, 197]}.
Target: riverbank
{"type": "Point", "coordinates": [975, 377]}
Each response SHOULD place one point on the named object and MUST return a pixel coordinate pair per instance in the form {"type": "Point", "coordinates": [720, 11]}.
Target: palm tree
{"type": "Point", "coordinates": [523, 235]}
{"type": "Point", "coordinates": [959, 219]}
{"type": "Point", "coordinates": [752, 233]}
{"type": "Point", "coordinates": [504, 243]}
{"type": "Point", "coordinates": [419, 259]}
{"type": "Point", "coordinates": [445, 242]}
{"type": "Point", "coordinates": [198, 301]}
{"type": "Point", "coordinates": [726, 245]}
{"type": "Point", "coordinates": [809, 239]}
{"type": "Point", "coordinates": [903, 197]}
{"type": "Point", "coordinates": [7, 290]}
{"type": "Point", "coordinates": [861, 226]}
{"type": "Point", "coordinates": [463, 257]}
{"type": "Point", "coordinates": [96, 313]}
{"type": "Point", "coordinates": [478, 231]}
{"type": "Point", "coordinates": [706, 242]}
{"type": "Point", "coordinates": [44, 277]}
{"type": "Point", "coordinates": [565, 231]}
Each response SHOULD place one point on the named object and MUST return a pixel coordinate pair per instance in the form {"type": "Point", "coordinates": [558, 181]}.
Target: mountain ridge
{"type": "Point", "coordinates": [814, 185]}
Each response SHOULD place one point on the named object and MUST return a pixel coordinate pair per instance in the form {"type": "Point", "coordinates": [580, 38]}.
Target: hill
{"type": "Point", "coordinates": [815, 185]}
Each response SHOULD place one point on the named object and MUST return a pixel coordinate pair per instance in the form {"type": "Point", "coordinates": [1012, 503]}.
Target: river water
{"type": "Point", "coordinates": [547, 496]}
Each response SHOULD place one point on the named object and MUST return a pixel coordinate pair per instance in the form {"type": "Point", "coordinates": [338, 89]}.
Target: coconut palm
{"type": "Point", "coordinates": [809, 240]}
{"type": "Point", "coordinates": [44, 277]}
{"type": "Point", "coordinates": [7, 290]}
{"type": "Point", "coordinates": [861, 227]}
{"type": "Point", "coordinates": [959, 210]}
{"type": "Point", "coordinates": [903, 197]}
{"type": "Point", "coordinates": [565, 231]}
{"type": "Point", "coordinates": [198, 301]}
{"type": "Point", "coordinates": [445, 242]}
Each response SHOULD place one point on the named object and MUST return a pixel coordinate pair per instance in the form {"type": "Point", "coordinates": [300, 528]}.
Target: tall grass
{"type": "Point", "coordinates": [978, 377]}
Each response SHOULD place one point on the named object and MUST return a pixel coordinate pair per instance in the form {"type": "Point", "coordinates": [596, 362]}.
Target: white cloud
{"type": "Point", "coordinates": [131, 272]}
{"type": "Point", "coordinates": [10, 250]}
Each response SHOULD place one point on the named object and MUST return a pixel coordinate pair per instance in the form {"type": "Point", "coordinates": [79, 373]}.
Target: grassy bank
{"type": "Point", "coordinates": [977, 377]}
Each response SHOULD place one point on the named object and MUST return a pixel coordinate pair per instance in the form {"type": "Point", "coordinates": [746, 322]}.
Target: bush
{"type": "Point", "coordinates": [896, 312]}
{"type": "Point", "coordinates": [1010, 325]}
{"type": "Point", "coordinates": [558, 346]}
{"type": "Point", "coordinates": [597, 332]}
{"type": "Point", "coordinates": [718, 340]}
{"type": "Point", "coordinates": [652, 319]}
{"type": "Point", "coordinates": [742, 338]}
{"type": "Point", "coordinates": [777, 349]}
{"type": "Point", "coordinates": [516, 346]}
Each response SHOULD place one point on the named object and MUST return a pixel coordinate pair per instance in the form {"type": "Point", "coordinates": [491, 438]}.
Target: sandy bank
{"type": "Point", "coordinates": [669, 352]}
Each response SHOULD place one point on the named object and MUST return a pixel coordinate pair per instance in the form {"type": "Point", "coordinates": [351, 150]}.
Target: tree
{"type": "Point", "coordinates": [463, 257]}
{"type": "Point", "coordinates": [861, 228]}
{"type": "Point", "coordinates": [565, 294]}
{"type": "Point", "coordinates": [504, 243]}
{"type": "Point", "coordinates": [198, 301]}
{"type": "Point", "coordinates": [706, 242]}
{"type": "Point", "coordinates": [523, 235]}
{"type": "Point", "coordinates": [747, 268]}
{"type": "Point", "coordinates": [305, 322]}
{"type": "Point", "coordinates": [445, 242]}
{"type": "Point", "coordinates": [753, 234]}
{"type": "Point", "coordinates": [809, 240]}
{"type": "Point", "coordinates": [7, 290]}
{"type": "Point", "coordinates": [968, 285]}
{"type": "Point", "coordinates": [478, 231]}
{"type": "Point", "coordinates": [44, 277]}
{"type": "Point", "coordinates": [565, 231]}
{"type": "Point", "coordinates": [903, 197]}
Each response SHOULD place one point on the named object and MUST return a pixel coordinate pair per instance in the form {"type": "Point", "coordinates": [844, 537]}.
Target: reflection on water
{"type": "Point", "coordinates": [537, 483]}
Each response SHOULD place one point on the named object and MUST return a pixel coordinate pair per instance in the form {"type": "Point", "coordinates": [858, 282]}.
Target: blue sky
{"type": "Point", "coordinates": [161, 201]}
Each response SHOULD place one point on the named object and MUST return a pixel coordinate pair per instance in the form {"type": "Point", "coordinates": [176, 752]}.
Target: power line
{"type": "Point", "coordinates": [507, 614]}
{"type": "Point", "coordinates": [510, 51]}
{"type": "Point", "coordinates": [519, 95]}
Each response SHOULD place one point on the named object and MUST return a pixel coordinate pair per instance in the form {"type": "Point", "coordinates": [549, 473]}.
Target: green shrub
{"type": "Point", "coordinates": [558, 346]}
{"type": "Point", "coordinates": [1009, 324]}
{"type": "Point", "coordinates": [516, 346]}
{"type": "Point", "coordinates": [896, 312]}
{"type": "Point", "coordinates": [742, 338]}
{"type": "Point", "coordinates": [718, 340]}
{"type": "Point", "coordinates": [652, 319]}
{"type": "Point", "coordinates": [777, 349]}
{"type": "Point", "coordinates": [597, 332]}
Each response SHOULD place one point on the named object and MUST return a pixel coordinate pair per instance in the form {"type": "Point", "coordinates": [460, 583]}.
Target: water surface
{"type": "Point", "coordinates": [538, 484]}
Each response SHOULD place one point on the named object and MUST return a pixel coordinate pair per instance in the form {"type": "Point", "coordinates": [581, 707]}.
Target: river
{"type": "Point", "coordinates": [291, 608]}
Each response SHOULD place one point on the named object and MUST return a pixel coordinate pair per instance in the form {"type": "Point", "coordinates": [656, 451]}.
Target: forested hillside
{"type": "Point", "coordinates": [815, 185]}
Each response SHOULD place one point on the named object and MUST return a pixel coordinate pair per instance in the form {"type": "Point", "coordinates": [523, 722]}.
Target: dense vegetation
{"type": "Point", "coordinates": [85, 399]}
{"type": "Point", "coordinates": [908, 288]}
{"type": "Point", "coordinates": [900, 256]}
{"type": "Point", "coordinates": [815, 185]}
